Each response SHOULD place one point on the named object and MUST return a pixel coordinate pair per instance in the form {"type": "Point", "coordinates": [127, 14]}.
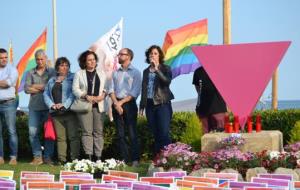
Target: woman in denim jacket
{"type": "Point", "coordinates": [58, 97]}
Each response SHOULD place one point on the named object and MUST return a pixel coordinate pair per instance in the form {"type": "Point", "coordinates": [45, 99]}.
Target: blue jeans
{"type": "Point", "coordinates": [126, 123]}
{"type": "Point", "coordinates": [35, 123]}
{"type": "Point", "coordinates": [159, 118]}
{"type": "Point", "coordinates": [8, 119]}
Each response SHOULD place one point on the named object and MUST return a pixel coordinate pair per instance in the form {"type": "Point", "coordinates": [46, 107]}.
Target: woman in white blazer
{"type": "Point", "coordinates": [91, 84]}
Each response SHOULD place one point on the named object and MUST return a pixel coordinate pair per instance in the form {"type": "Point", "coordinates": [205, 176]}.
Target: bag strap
{"type": "Point", "coordinates": [94, 79]}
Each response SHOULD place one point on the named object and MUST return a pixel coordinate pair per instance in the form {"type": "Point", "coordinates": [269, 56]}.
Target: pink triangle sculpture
{"type": "Point", "coordinates": [241, 72]}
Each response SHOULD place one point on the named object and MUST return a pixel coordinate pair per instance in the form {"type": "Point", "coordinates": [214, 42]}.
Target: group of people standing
{"type": "Point", "coordinates": [53, 90]}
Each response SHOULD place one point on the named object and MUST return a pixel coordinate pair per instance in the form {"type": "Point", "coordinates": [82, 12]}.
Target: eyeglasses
{"type": "Point", "coordinates": [120, 54]}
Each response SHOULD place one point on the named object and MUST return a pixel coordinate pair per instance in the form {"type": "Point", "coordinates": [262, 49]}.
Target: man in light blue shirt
{"type": "Point", "coordinates": [124, 90]}
{"type": "Point", "coordinates": [8, 80]}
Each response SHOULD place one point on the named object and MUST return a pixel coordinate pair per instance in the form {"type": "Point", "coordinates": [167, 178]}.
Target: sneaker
{"type": "Point", "coordinates": [37, 161]}
{"type": "Point", "coordinates": [13, 161]}
{"type": "Point", "coordinates": [1, 161]}
{"type": "Point", "coordinates": [135, 163]}
{"type": "Point", "coordinates": [48, 161]}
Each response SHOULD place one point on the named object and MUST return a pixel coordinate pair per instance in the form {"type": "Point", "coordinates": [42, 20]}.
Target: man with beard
{"type": "Point", "coordinates": [124, 90]}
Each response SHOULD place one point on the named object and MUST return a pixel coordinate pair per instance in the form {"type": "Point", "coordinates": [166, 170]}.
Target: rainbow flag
{"type": "Point", "coordinates": [27, 62]}
{"type": "Point", "coordinates": [177, 47]}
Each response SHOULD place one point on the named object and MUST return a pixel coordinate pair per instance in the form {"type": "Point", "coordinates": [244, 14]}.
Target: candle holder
{"type": "Point", "coordinates": [226, 123]}
{"type": "Point", "coordinates": [249, 124]}
{"type": "Point", "coordinates": [236, 125]}
{"type": "Point", "coordinates": [258, 123]}
{"type": "Point", "coordinates": [230, 128]}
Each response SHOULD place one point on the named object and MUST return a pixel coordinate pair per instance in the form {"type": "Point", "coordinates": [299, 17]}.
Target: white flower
{"type": "Point", "coordinates": [111, 163]}
{"type": "Point", "coordinates": [297, 154]}
{"type": "Point", "coordinates": [274, 154]}
{"type": "Point", "coordinates": [92, 167]}
{"type": "Point", "coordinates": [99, 165]}
{"type": "Point", "coordinates": [236, 135]}
{"type": "Point", "coordinates": [68, 166]}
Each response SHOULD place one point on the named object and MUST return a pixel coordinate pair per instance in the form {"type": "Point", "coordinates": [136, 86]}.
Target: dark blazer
{"type": "Point", "coordinates": [162, 81]}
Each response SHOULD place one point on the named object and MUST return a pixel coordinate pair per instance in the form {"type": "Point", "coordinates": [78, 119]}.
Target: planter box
{"type": "Point", "coordinates": [254, 142]}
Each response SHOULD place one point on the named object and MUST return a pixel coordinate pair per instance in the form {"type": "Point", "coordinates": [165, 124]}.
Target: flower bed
{"type": "Point", "coordinates": [94, 167]}
{"type": "Point", "coordinates": [179, 155]}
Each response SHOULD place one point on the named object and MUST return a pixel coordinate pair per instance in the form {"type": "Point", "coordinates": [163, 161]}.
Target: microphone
{"type": "Point", "coordinates": [151, 62]}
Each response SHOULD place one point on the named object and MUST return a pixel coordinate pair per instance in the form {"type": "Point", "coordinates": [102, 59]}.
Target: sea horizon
{"type": "Point", "coordinates": [189, 105]}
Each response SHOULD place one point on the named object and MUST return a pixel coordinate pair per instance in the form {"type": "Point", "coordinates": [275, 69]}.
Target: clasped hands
{"type": "Point", "coordinates": [118, 107]}
{"type": "Point", "coordinates": [57, 106]}
{"type": "Point", "coordinates": [94, 99]}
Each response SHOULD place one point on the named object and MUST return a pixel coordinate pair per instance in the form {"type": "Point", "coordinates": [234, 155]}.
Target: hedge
{"type": "Point", "coordinates": [185, 127]}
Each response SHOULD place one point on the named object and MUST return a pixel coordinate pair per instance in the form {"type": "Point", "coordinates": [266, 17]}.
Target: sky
{"type": "Point", "coordinates": [82, 22]}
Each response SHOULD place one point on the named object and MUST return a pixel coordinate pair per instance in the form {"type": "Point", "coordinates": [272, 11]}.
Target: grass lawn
{"type": "Point", "coordinates": [25, 166]}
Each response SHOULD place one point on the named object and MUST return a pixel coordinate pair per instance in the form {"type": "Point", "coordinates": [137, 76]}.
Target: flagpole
{"type": "Point", "coordinates": [55, 51]}
{"type": "Point", "coordinates": [10, 52]}
{"type": "Point", "coordinates": [226, 25]}
{"type": "Point", "coordinates": [274, 90]}
{"type": "Point", "coordinates": [226, 22]}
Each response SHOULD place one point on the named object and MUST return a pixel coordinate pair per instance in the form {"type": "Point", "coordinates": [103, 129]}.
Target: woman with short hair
{"type": "Point", "coordinates": [90, 84]}
{"type": "Point", "coordinates": [58, 97]}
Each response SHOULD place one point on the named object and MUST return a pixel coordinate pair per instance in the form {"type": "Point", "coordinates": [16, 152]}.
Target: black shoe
{"type": "Point", "coordinates": [97, 158]}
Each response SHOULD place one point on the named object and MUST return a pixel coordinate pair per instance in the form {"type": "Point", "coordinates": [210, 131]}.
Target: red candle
{"type": "Point", "coordinates": [226, 119]}
{"type": "Point", "coordinates": [258, 127]}
{"type": "Point", "coordinates": [236, 124]}
{"type": "Point", "coordinates": [226, 123]}
{"type": "Point", "coordinates": [249, 124]}
{"type": "Point", "coordinates": [258, 123]}
{"type": "Point", "coordinates": [230, 128]}
{"type": "Point", "coordinates": [258, 118]}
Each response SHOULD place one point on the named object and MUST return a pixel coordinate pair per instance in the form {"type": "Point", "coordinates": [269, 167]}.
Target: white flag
{"type": "Point", "coordinates": [108, 47]}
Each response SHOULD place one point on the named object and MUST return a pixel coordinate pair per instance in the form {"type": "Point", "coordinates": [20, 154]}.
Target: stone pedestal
{"type": "Point", "coordinates": [254, 142]}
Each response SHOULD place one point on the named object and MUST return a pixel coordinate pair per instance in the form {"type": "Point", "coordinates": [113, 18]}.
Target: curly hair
{"type": "Point", "coordinates": [60, 61]}
{"type": "Point", "coordinates": [82, 58]}
{"type": "Point", "coordinates": [161, 54]}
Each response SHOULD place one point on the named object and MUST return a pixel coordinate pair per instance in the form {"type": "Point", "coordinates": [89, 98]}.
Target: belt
{"type": "Point", "coordinates": [5, 101]}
